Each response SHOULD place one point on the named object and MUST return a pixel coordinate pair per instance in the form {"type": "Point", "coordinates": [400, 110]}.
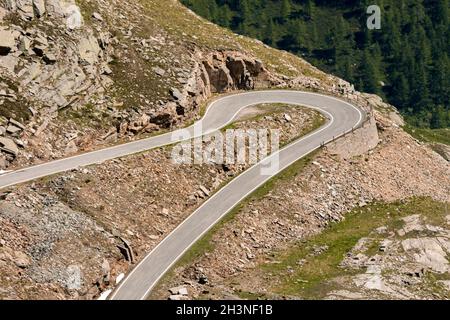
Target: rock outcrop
{"type": "Point", "coordinates": [48, 65]}
{"type": "Point", "coordinates": [218, 72]}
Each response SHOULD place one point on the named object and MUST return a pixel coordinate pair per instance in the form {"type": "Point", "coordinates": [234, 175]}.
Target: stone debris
{"type": "Point", "coordinates": [119, 278]}
{"type": "Point", "coordinates": [21, 259]}
{"type": "Point", "coordinates": [9, 146]}
{"type": "Point", "coordinates": [181, 290]}
{"type": "Point", "coordinates": [430, 252]}
{"type": "Point", "coordinates": [97, 16]}
{"type": "Point", "coordinates": [159, 71]}
{"type": "Point", "coordinates": [205, 190]}
{"type": "Point", "coordinates": [7, 41]}
{"type": "Point", "coordinates": [177, 297]}
{"type": "Point", "coordinates": [287, 117]}
{"type": "Point", "coordinates": [78, 86]}
{"type": "Point", "coordinates": [104, 295]}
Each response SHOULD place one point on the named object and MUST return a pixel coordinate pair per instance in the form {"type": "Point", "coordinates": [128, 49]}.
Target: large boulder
{"type": "Point", "coordinates": [74, 19]}
{"type": "Point", "coordinates": [7, 42]}
{"type": "Point", "coordinates": [25, 9]}
{"type": "Point", "coordinates": [39, 8]}
{"type": "Point", "coordinates": [3, 13]}
{"type": "Point", "coordinates": [56, 8]}
{"type": "Point", "coordinates": [9, 146]}
{"type": "Point", "coordinates": [88, 50]}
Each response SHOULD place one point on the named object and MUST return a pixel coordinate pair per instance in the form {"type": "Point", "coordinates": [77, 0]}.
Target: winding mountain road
{"type": "Point", "coordinates": [342, 117]}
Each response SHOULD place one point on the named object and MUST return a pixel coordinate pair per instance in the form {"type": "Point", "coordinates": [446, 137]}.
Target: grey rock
{"type": "Point", "coordinates": [71, 148]}
{"type": "Point", "coordinates": [442, 150]}
{"type": "Point", "coordinates": [25, 45]}
{"type": "Point", "coordinates": [9, 62]}
{"type": "Point", "coordinates": [176, 93]}
{"type": "Point", "coordinates": [9, 146]}
{"type": "Point", "coordinates": [30, 73]}
{"type": "Point", "coordinates": [287, 117]}
{"type": "Point", "coordinates": [41, 39]}
{"type": "Point", "coordinates": [205, 190]}
{"type": "Point", "coordinates": [55, 8]}
{"type": "Point", "coordinates": [97, 16]}
{"type": "Point", "coordinates": [181, 290]}
{"type": "Point", "coordinates": [3, 13]}
{"type": "Point", "coordinates": [19, 143]}
{"type": "Point", "coordinates": [25, 9]}
{"type": "Point", "coordinates": [105, 69]}
{"type": "Point", "coordinates": [430, 252]}
{"type": "Point", "coordinates": [74, 18]}
{"type": "Point", "coordinates": [12, 129]}
{"type": "Point", "coordinates": [159, 71]}
{"type": "Point", "coordinates": [16, 123]}
{"type": "Point", "coordinates": [49, 58]}
{"type": "Point", "coordinates": [176, 297]}
{"type": "Point", "coordinates": [39, 8]}
{"type": "Point", "coordinates": [21, 259]}
{"type": "Point", "coordinates": [89, 50]}
{"type": "Point", "coordinates": [106, 268]}
{"type": "Point", "coordinates": [7, 42]}
{"type": "Point", "coordinates": [3, 163]}
{"type": "Point", "coordinates": [11, 5]}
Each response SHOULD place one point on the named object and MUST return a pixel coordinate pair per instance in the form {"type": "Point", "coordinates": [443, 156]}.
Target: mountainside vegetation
{"type": "Point", "coordinates": [406, 61]}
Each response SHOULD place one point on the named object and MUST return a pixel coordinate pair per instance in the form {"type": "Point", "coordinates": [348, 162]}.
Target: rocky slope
{"type": "Point", "coordinates": [102, 219]}
{"type": "Point", "coordinates": [78, 75]}
{"type": "Point", "coordinates": [311, 200]}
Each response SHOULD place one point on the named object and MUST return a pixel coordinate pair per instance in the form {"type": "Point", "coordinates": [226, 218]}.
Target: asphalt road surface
{"type": "Point", "coordinates": [342, 117]}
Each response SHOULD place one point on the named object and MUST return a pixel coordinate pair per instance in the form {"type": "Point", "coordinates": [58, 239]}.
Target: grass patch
{"type": "Point", "coordinates": [17, 110]}
{"type": "Point", "coordinates": [245, 295]}
{"type": "Point", "coordinates": [311, 279]}
{"type": "Point", "coordinates": [429, 135]}
{"type": "Point", "coordinates": [87, 116]}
